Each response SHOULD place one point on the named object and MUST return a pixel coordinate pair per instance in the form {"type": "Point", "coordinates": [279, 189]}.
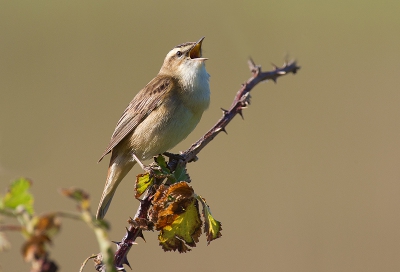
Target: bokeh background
{"type": "Point", "coordinates": [310, 181]}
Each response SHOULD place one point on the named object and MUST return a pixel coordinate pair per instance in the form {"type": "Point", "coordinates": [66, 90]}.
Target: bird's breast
{"type": "Point", "coordinates": [164, 128]}
{"type": "Point", "coordinates": [175, 118]}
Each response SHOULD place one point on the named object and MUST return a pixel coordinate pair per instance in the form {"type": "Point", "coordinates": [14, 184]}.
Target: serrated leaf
{"type": "Point", "coordinates": [160, 160]}
{"type": "Point", "coordinates": [212, 227]}
{"type": "Point", "coordinates": [168, 202]}
{"type": "Point", "coordinates": [18, 194]}
{"type": "Point", "coordinates": [183, 231]}
{"type": "Point", "coordinates": [175, 213]}
{"type": "Point", "coordinates": [180, 174]}
{"type": "Point", "coordinates": [143, 181]}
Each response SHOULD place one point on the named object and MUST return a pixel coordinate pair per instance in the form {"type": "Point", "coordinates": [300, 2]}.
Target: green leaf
{"type": "Point", "coordinates": [212, 227]}
{"type": "Point", "coordinates": [176, 215]}
{"type": "Point", "coordinates": [160, 160]}
{"type": "Point", "coordinates": [185, 229]}
{"type": "Point", "coordinates": [143, 181]}
{"type": "Point", "coordinates": [180, 174]}
{"type": "Point", "coordinates": [18, 194]}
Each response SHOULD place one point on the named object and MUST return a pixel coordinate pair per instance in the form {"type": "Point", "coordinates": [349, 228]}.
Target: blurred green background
{"type": "Point", "coordinates": [310, 181]}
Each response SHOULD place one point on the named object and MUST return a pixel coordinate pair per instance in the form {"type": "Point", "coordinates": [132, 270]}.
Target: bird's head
{"type": "Point", "coordinates": [184, 59]}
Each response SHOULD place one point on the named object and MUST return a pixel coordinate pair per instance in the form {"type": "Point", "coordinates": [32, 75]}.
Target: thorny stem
{"type": "Point", "coordinates": [134, 231]}
{"type": "Point", "coordinates": [241, 101]}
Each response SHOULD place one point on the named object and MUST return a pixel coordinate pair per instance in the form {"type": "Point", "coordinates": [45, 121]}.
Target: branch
{"type": "Point", "coordinates": [138, 223]}
{"type": "Point", "coordinates": [242, 100]}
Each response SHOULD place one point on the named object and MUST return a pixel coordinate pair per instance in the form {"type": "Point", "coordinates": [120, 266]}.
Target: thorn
{"type": "Point", "coordinates": [251, 64]}
{"type": "Point", "coordinates": [224, 111]}
{"type": "Point", "coordinates": [142, 236]}
{"type": "Point", "coordinates": [127, 263]}
{"type": "Point", "coordinates": [224, 130]}
{"type": "Point", "coordinates": [275, 67]}
{"type": "Point", "coordinates": [274, 79]}
{"type": "Point", "coordinates": [295, 68]}
{"type": "Point", "coordinates": [255, 69]}
{"type": "Point", "coordinates": [117, 243]}
{"type": "Point", "coordinates": [240, 113]}
{"type": "Point", "coordinates": [286, 59]}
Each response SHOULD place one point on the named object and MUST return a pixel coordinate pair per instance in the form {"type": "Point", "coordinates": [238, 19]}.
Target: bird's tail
{"type": "Point", "coordinates": [117, 170]}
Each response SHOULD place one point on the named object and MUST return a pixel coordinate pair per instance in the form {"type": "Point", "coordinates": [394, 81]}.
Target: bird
{"type": "Point", "coordinates": [160, 116]}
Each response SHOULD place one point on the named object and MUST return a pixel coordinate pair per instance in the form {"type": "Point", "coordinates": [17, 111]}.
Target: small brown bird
{"type": "Point", "coordinates": [160, 116]}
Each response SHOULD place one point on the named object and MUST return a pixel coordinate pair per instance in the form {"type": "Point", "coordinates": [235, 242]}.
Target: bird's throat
{"type": "Point", "coordinates": [195, 84]}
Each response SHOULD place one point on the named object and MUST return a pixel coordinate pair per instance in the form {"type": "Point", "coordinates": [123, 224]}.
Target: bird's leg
{"type": "Point", "coordinates": [138, 161]}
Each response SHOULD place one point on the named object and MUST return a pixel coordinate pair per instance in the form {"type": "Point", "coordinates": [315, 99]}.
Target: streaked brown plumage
{"type": "Point", "coordinates": [160, 116]}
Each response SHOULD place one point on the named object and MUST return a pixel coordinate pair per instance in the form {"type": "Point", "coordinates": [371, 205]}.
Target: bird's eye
{"type": "Point", "coordinates": [179, 53]}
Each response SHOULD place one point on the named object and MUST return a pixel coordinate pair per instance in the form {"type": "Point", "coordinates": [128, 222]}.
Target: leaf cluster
{"type": "Point", "coordinates": [37, 230]}
{"type": "Point", "coordinates": [40, 230]}
{"type": "Point", "coordinates": [174, 210]}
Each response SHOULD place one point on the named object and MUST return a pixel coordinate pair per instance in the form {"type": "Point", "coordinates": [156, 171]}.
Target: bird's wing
{"type": "Point", "coordinates": [147, 100]}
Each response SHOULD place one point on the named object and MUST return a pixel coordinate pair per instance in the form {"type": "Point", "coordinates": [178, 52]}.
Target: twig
{"type": "Point", "coordinates": [11, 227]}
{"type": "Point", "coordinates": [134, 231]}
{"type": "Point", "coordinates": [241, 101]}
{"type": "Point", "coordinates": [85, 261]}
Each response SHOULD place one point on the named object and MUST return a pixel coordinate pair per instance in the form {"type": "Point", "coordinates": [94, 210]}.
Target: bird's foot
{"type": "Point", "coordinates": [173, 156]}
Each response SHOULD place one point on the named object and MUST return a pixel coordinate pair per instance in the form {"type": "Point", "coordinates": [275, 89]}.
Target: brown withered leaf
{"type": "Point", "coordinates": [157, 204]}
{"type": "Point", "coordinates": [75, 193]}
{"type": "Point", "coordinates": [180, 190]}
{"type": "Point", "coordinates": [44, 227]}
{"type": "Point", "coordinates": [78, 195]}
{"type": "Point", "coordinates": [176, 215]}
{"type": "Point", "coordinates": [48, 224]}
{"type": "Point", "coordinates": [35, 248]}
{"type": "Point", "coordinates": [168, 201]}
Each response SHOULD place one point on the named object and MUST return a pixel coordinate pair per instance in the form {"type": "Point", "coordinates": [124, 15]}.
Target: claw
{"type": "Point", "coordinates": [240, 113]}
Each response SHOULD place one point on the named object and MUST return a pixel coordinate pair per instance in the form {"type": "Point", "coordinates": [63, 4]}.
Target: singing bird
{"type": "Point", "coordinates": [160, 116]}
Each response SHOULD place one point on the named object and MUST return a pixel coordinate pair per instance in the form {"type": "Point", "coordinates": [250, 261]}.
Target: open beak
{"type": "Point", "coordinates": [195, 52]}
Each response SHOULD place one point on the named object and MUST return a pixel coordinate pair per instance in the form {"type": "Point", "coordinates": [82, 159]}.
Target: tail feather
{"type": "Point", "coordinates": [117, 170]}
